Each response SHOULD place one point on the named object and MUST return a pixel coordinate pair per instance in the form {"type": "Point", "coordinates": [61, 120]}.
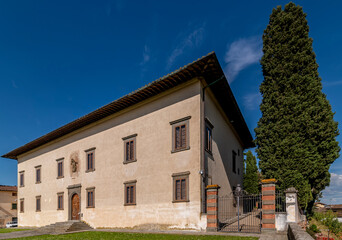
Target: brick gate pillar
{"type": "Point", "coordinates": [212, 208]}
{"type": "Point", "coordinates": [268, 204]}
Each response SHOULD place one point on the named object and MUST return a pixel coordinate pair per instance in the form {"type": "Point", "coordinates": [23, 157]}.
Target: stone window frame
{"type": "Point", "coordinates": [60, 161]}
{"type": "Point", "coordinates": [234, 155]}
{"type": "Point", "coordinates": [60, 206]}
{"type": "Point", "coordinates": [87, 152]}
{"type": "Point", "coordinates": [127, 139]}
{"type": "Point", "coordinates": [22, 179]}
{"type": "Point", "coordinates": [180, 176]}
{"type": "Point", "coordinates": [14, 194]}
{"type": "Point", "coordinates": [22, 205]}
{"type": "Point", "coordinates": [39, 206]}
{"type": "Point", "coordinates": [178, 123]}
{"type": "Point", "coordinates": [16, 206]}
{"type": "Point", "coordinates": [38, 170]}
{"type": "Point", "coordinates": [91, 190]}
{"type": "Point", "coordinates": [129, 184]}
{"type": "Point", "coordinates": [208, 145]}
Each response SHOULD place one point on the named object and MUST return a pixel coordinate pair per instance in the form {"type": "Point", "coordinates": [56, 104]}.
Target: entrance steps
{"type": "Point", "coordinates": [65, 227]}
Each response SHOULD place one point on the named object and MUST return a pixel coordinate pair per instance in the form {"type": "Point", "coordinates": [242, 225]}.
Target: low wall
{"type": "Point", "coordinates": [295, 232]}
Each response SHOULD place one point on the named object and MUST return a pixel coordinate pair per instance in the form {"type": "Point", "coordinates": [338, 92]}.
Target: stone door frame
{"type": "Point", "coordinates": [73, 189]}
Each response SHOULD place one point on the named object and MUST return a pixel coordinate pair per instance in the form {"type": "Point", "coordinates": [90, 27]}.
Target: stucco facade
{"type": "Point", "coordinates": [153, 171]}
{"type": "Point", "coordinates": [8, 204]}
{"type": "Point", "coordinates": [225, 144]}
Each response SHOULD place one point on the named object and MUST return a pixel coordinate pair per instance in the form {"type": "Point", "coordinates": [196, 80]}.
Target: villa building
{"type": "Point", "coordinates": [144, 159]}
{"type": "Point", "coordinates": [8, 204]}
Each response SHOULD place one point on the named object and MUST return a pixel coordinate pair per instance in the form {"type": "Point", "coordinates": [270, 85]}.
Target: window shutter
{"type": "Point", "coordinates": [131, 147]}
{"type": "Point", "coordinates": [178, 189]}
{"type": "Point", "coordinates": [127, 194]}
{"type": "Point", "coordinates": [183, 139]}
{"type": "Point", "coordinates": [177, 138]}
{"type": "Point", "coordinates": [132, 195]}
{"type": "Point", "coordinates": [91, 160]}
{"type": "Point", "coordinates": [183, 189]}
{"type": "Point", "coordinates": [127, 151]}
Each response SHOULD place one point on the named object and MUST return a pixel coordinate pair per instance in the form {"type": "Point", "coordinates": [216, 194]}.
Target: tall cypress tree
{"type": "Point", "coordinates": [250, 175]}
{"type": "Point", "coordinates": [296, 135]}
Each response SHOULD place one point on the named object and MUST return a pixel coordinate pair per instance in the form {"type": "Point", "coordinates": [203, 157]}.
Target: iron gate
{"type": "Point", "coordinates": [239, 212]}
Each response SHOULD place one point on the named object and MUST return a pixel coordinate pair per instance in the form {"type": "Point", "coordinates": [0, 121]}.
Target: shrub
{"type": "Point", "coordinates": [314, 228]}
{"type": "Point", "coordinates": [330, 220]}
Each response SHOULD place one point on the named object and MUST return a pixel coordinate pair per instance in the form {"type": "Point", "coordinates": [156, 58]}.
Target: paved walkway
{"type": "Point", "coordinates": [262, 236]}
{"type": "Point", "coordinates": [19, 234]}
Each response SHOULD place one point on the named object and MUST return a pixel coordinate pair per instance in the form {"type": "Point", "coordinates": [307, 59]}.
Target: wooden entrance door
{"type": "Point", "coordinates": [75, 207]}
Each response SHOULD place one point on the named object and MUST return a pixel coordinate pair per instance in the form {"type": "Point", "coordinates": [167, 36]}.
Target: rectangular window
{"type": "Point", "coordinates": [60, 168]}
{"type": "Point", "coordinates": [181, 187]}
{"type": "Point", "coordinates": [234, 162]}
{"type": "Point", "coordinates": [38, 173]}
{"type": "Point", "coordinates": [14, 206]}
{"type": "Point", "coordinates": [130, 193]}
{"type": "Point", "coordinates": [180, 137]}
{"type": "Point", "coordinates": [130, 148]}
{"type": "Point", "coordinates": [60, 198]}
{"type": "Point", "coordinates": [21, 179]}
{"type": "Point", "coordinates": [14, 194]}
{"type": "Point", "coordinates": [208, 136]}
{"type": "Point", "coordinates": [22, 205]}
{"type": "Point", "coordinates": [38, 202]}
{"type": "Point", "coordinates": [90, 197]}
{"type": "Point", "coordinates": [180, 134]}
{"type": "Point", "coordinates": [90, 156]}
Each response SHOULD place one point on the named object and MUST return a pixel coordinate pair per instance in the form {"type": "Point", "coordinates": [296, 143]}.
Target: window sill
{"type": "Point", "coordinates": [131, 161]}
{"type": "Point", "coordinates": [180, 201]}
{"type": "Point", "coordinates": [180, 150]}
{"type": "Point", "coordinates": [38, 182]}
{"type": "Point", "coordinates": [130, 204]}
{"type": "Point", "coordinates": [90, 170]}
{"type": "Point", "coordinates": [90, 207]}
{"type": "Point", "coordinates": [38, 210]}
{"type": "Point", "coordinates": [22, 186]}
{"type": "Point", "coordinates": [60, 209]}
{"type": "Point", "coordinates": [60, 177]}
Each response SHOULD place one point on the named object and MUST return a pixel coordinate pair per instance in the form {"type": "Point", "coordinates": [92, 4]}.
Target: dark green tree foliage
{"type": "Point", "coordinates": [296, 135]}
{"type": "Point", "coordinates": [250, 175]}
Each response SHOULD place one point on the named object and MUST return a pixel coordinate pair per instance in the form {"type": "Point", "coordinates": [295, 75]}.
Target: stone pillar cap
{"type": "Point", "coordinates": [215, 186]}
{"type": "Point", "coordinates": [272, 180]}
{"type": "Point", "coordinates": [291, 190]}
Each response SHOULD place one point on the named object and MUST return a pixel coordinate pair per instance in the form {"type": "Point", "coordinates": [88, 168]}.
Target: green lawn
{"type": "Point", "coordinates": [8, 230]}
{"type": "Point", "coordinates": [133, 236]}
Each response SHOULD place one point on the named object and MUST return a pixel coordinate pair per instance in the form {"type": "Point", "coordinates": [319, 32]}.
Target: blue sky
{"type": "Point", "coordinates": [60, 60]}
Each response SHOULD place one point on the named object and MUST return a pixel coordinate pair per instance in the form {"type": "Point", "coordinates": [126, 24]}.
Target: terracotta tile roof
{"type": "Point", "coordinates": [336, 206]}
{"type": "Point", "coordinates": [207, 67]}
{"type": "Point", "coordinates": [8, 188]}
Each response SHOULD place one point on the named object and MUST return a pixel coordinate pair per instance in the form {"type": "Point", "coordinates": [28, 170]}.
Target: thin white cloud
{"type": "Point", "coordinates": [146, 55]}
{"type": "Point", "coordinates": [333, 83]}
{"type": "Point", "coordinates": [333, 193]}
{"type": "Point", "coordinates": [14, 84]}
{"type": "Point", "coordinates": [241, 54]}
{"type": "Point", "coordinates": [192, 40]}
{"type": "Point", "coordinates": [252, 101]}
